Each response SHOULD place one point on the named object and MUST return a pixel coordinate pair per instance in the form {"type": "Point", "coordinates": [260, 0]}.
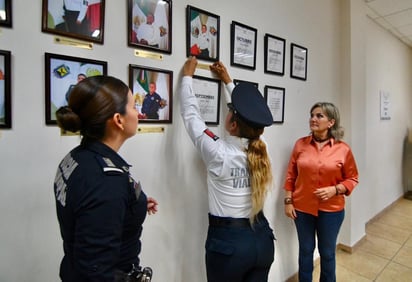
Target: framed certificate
{"type": "Point", "coordinates": [207, 92]}
{"type": "Point", "coordinates": [243, 45]}
{"type": "Point", "coordinates": [275, 98]}
{"type": "Point", "coordinates": [299, 61]}
{"type": "Point", "coordinates": [274, 55]}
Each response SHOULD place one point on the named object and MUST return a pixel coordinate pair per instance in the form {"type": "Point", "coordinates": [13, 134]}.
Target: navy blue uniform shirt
{"type": "Point", "coordinates": [101, 210]}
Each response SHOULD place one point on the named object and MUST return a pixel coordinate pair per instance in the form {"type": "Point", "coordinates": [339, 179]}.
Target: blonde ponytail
{"type": "Point", "coordinates": [258, 161]}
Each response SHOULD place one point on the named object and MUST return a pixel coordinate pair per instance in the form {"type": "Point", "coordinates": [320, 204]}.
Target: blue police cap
{"type": "Point", "coordinates": [250, 105]}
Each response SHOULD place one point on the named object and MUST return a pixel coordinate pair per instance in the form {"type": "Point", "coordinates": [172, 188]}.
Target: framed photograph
{"type": "Point", "coordinates": [5, 13]}
{"type": "Point", "coordinates": [152, 91]}
{"type": "Point", "coordinates": [299, 61]}
{"type": "Point", "coordinates": [275, 98]}
{"type": "Point", "coordinates": [202, 34]}
{"type": "Point", "coordinates": [237, 81]}
{"type": "Point", "coordinates": [82, 20]}
{"type": "Point", "coordinates": [207, 92]}
{"type": "Point", "coordinates": [5, 89]}
{"type": "Point", "coordinates": [150, 25]}
{"type": "Point", "coordinates": [62, 74]}
{"type": "Point", "coordinates": [274, 54]}
{"type": "Point", "coordinates": [243, 45]}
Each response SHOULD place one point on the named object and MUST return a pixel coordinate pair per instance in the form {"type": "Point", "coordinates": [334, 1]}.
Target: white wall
{"type": "Point", "coordinates": [388, 63]}
{"type": "Point", "coordinates": [166, 163]}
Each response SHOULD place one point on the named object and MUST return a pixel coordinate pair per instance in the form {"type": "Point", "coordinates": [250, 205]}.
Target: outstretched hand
{"type": "Point", "coordinates": [190, 66]}
{"type": "Point", "coordinates": [220, 70]}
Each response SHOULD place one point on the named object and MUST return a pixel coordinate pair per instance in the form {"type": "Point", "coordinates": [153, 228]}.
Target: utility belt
{"type": "Point", "coordinates": [218, 221]}
{"type": "Point", "coordinates": [137, 274]}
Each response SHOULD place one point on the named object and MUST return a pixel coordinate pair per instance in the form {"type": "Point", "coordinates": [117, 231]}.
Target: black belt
{"type": "Point", "coordinates": [231, 222]}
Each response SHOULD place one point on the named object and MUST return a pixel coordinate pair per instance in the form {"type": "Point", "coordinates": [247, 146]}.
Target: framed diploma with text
{"type": "Point", "coordinates": [274, 55]}
{"type": "Point", "coordinates": [207, 92]}
{"type": "Point", "coordinates": [243, 45]}
{"type": "Point", "coordinates": [299, 61]}
{"type": "Point", "coordinates": [275, 98]}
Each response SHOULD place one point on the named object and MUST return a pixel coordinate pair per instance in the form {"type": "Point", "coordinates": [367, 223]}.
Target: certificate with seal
{"type": "Point", "coordinates": [274, 55]}
{"type": "Point", "coordinates": [207, 92]}
{"type": "Point", "coordinates": [243, 45]}
{"type": "Point", "coordinates": [275, 99]}
{"type": "Point", "coordinates": [299, 61]}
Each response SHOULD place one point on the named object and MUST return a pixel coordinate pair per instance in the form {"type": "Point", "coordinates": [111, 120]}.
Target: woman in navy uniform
{"type": "Point", "coordinates": [100, 207]}
{"type": "Point", "coordinates": [240, 242]}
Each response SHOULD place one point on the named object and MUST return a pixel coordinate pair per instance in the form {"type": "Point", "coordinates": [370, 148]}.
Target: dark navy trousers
{"type": "Point", "coordinates": [237, 252]}
{"type": "Point", "coordinates": [326, 227]}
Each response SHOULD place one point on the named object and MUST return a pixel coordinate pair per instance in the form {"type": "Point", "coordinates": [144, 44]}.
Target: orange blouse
{"type": "Point", "coordinates": [311, 168]}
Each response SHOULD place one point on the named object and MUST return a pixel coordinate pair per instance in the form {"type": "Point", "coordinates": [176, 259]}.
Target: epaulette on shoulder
{"type": "Point", "coordinates": [108, 166]}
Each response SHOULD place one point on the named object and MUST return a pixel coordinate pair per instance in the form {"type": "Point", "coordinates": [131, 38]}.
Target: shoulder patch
{"type": "Point", "coordinates": [108, 166]}
{"type": "Point", "coordinates": [209, 133]}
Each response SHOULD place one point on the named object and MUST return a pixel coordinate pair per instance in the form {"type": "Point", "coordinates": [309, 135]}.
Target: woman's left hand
{"type": "Point", "coordinates": [151, 205]}
{"type": "Point", "coordinates": [325, 193]}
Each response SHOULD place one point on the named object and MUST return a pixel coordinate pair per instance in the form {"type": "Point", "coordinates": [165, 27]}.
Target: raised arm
{"type": "Point", "coordinates": [220, 70]}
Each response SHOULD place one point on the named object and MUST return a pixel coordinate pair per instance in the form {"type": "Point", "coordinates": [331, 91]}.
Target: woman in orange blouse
{"type": "Point", "coordinates": [321, 171]}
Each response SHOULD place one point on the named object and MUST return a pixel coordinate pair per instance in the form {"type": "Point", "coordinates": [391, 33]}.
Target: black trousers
{"type": "Point", "coordinates": [236, 252]}
{"type": "Point", "coordinates": [70, 18]}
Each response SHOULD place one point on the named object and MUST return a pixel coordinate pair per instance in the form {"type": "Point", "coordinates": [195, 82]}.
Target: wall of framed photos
{"type": "Point", "coordinates": [345, 63]}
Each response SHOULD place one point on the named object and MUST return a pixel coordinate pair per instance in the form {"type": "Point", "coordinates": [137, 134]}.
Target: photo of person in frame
{"type": "Point", "coordinates": [75, 17]}
{"type": "Point", "coordinates": [150, 24]}
{"type": "Point", "coordinates": [2, 91]}
{"type": "Point", "coordinates": [2, 10]}
{"type": "Point", "coordinates": [204, 41]}
{"type": "Point", "coordinates": [5, 89]}
{"type": "Point", "coordinates": [64, 76]}
{"type": "Point", "coordinates": [151, 92]}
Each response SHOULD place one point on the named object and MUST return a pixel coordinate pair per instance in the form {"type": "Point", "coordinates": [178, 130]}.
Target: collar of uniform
{"type": "Point", "coordinates": [238, 141]}
{"type": "Point", "coordinates": [106, 151]}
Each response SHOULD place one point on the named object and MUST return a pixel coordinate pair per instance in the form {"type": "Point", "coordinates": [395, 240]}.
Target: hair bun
{"type": "Point", "coordinates": [68, 120]}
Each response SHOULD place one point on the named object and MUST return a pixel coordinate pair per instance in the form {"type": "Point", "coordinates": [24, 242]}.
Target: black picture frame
{"type": "Point", "coordinates": [5, 89]}
{"type": "Point", "coordinates": [56, 19]}
{"type": "Point", "coordinates": [6, 13]}
{"type": "Point", "coordinates": [207, 91]}
{"type": "Point", "coordinates": [62, 73]}
{"type": "Point", "coordinates": [139, 28]}
{"type": "Point", "coordinates": [243, 42]}
{"type": "Point", "coordinates": [274, 54]}
{"type": "Point", "coordinates": [237, 81]}
{"type": "Point", "coordinates": [202, 30]}
{"type": "Point", "coordinates": [298, 61]}
{"type": "Point", "coordinates": [152, 109]}
{"type": "Point", "coordinates": [275, 99]}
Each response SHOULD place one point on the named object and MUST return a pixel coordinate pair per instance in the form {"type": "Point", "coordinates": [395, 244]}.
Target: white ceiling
{"type": "Point", "coordinates": [393, 15]}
